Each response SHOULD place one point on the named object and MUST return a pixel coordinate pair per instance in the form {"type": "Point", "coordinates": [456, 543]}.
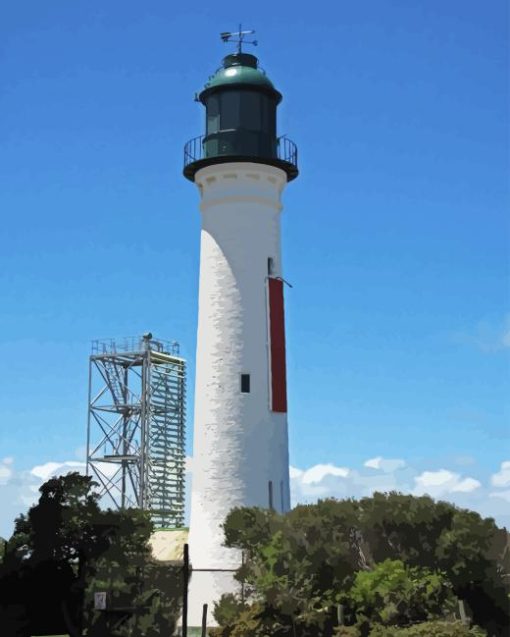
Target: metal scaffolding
{"type": "Point", "coordinates": [136, 426]}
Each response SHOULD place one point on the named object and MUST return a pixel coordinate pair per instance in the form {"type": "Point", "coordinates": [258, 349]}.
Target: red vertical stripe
{"type": "Point", "coordinates": [277, 336]}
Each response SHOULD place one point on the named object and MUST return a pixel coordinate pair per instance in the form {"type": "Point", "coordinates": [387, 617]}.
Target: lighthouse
{"type": "Point", "coordinates": [240, 452]}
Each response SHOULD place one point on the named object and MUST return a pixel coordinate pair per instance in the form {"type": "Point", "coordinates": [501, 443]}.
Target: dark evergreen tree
{"type": "Point", "coordinates": [65, 549]}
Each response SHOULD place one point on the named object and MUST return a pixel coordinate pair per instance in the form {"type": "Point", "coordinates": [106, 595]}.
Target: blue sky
{"type": "Point", "coordinates": [395, 235]}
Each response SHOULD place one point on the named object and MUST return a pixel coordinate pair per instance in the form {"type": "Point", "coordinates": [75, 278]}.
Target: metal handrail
{"type": "Point", "coordinates": [286, 150]}
{"type": "Point", "coordinates": [134, 344]}
{"type": "Point", "coordinates": [194, 150]}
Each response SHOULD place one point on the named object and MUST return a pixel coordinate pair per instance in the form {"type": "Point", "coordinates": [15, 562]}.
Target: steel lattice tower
{"type": "Point", "coordinates": [136, 426]}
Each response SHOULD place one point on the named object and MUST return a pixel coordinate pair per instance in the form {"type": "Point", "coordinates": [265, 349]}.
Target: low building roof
{"type": "Point", "coordinates": [168, 544]}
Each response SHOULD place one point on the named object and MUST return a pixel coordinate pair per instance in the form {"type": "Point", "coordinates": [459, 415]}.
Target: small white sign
{"type": "Point", "coordinates": [100, 601]}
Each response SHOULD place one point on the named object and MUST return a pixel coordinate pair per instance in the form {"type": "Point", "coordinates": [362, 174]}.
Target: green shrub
{"type": "Point", "coordinates": [395, 594]}
{"type": "Point", "coordinates": [346, 631]}
{"type": "Point", "coordinates": [429, 629]}
{"type": "Point", "coordinates": [247, 623]}
{"type": "Point", "coordinates": [228, 609]}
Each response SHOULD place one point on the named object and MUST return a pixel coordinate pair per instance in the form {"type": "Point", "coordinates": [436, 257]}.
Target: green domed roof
{"type": "Point", "coordinates": [239, 75]}
{"type": "Point", "coordinates": [240, 68]}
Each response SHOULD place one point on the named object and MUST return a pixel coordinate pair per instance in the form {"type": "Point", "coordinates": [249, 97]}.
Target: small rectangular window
{"type": "Point", "coordinates": [245, 383]}
{"type": "Point", "coordinates": [270, 266]}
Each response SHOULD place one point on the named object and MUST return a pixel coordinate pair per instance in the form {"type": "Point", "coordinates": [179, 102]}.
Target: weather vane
{"type": "Point", "coordinates": [239, 37]}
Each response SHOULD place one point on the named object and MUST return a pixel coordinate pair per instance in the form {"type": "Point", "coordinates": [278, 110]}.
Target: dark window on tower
{"type": "Point", "coordinates": [245, 383]}
{"type": "Point", "coordinates": [270, 266]}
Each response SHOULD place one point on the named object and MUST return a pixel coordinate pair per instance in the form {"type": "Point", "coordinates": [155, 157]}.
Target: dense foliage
{"type": "Point", "coordinates": [388, 560]}
{"type": "Point", "coordinates": [64, 550]}
{"type": "Point", "coordinates": [429, 629]}
{"type": "Point", "coordinates": [423, 629]}
{"type": "Point", "coordinates": [395, 594]}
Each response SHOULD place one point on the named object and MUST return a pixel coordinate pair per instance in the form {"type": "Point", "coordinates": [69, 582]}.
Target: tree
{"type": "Point", "coordinates": [118, 569]}
{"type": "Point", "coordinates": [68, 541]}
{"type": "Point", "coordinates": [429, 629]}
{"type": "Point", "coordinates": [438, 535]}
{"type": "Point", "coordinates": [53, 543]}
{"type": "Point", "coordinates": [395, 594]}
{"type": "Point", "coordinates": [300, 566]}
{"type": "Point", "coordinates": [299, 563]}
{"type": "Point", "coordinates": [143, 597]}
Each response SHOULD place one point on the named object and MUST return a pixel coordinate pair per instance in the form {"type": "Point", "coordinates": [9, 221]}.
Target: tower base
{"type": "Point", "coordinates": [207, 588]}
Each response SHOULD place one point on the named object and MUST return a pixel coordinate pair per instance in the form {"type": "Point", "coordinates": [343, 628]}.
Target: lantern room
{"type": "Point", "coordinates": [240, 103]}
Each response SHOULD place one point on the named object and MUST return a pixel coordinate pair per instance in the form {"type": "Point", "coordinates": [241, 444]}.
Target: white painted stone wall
{"type": "Point", "coordinates": [239, 443]}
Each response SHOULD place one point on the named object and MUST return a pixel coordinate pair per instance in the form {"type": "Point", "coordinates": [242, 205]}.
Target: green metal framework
{"type": "Point", "coordinates": [136, 426]}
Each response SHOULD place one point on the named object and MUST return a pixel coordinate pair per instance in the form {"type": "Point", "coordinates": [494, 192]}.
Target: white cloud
{"type": "Point", "coordinates": [320, 471]}
{"type": "Point", "coordinates": [294, 472]}
{"type": "Point", "coordinates": [5, 473]}
{"type": "Point", "coordinates": [505, 495]}
{"type": "Point", "coordinates": [502, 477]}
{"type": "Point", "coordinates": [466, 486]}
{"type": "Point", "coordinates": [443, 482]}
{"type": "Point", "coordinates": [5, 470]}
{"type": "Point", "coordinates": [328, 480]}
{"type": "Point", "coordinates": [435, 478]}
{"type": "Point", "coordinates": [387, 465]}
{"type": "Point", "coordinates": [45, 471]}
{"type": "Point", "coordinates": [20, 489]}
{"type": "Point", "coordinates": [385, 475]}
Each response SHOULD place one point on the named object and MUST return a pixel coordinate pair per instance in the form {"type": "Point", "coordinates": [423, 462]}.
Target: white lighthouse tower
{"type": "Point", "coordinates": [240, 454]}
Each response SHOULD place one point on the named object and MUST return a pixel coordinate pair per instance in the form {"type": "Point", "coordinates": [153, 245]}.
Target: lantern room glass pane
{"type": "Point", "coordinates": [213, 115]}
{"type": "Point", "coordinates": [268, 115]}
{"type": "Point", "coordinates": [230, 110]}
{"type": "Point", "coordinates": [251, 115]}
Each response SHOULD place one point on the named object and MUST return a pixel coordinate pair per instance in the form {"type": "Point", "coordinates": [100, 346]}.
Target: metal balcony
{"type": "Point", "coordinates": [196, 157]}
